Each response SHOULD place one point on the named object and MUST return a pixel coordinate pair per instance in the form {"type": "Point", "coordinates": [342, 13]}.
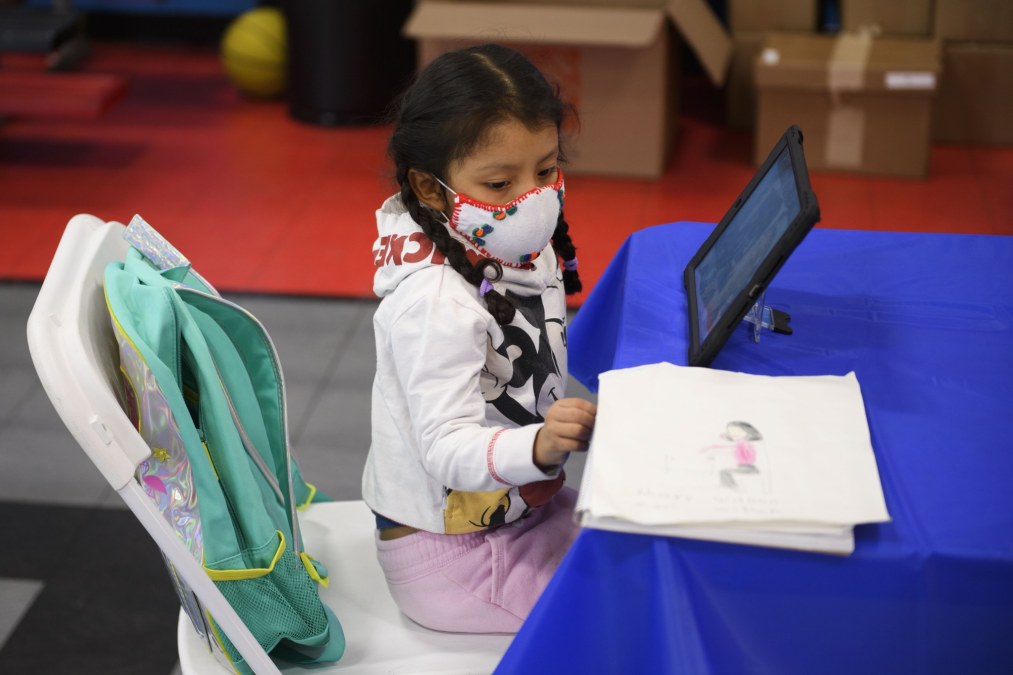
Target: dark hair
{"type": "Point", "coordinates": [751, 433]}
{"type": "Point", "coordinates": [444, 115]}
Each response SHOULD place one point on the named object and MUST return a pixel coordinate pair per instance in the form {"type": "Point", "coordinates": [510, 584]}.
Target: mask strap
{"type": "Point", "coordinates": [443, 184]}
{"type": "Point", "coordinates": [445, 220]}
{"type": "Point", "coordinates": [441, 217]}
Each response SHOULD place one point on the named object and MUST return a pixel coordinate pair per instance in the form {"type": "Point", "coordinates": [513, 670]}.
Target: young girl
{"type": "Point", "coordinates": [470, 423]}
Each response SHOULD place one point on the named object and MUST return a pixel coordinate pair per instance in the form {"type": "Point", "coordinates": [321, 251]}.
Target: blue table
{"type": "Point", "coordinates": [926, 322]}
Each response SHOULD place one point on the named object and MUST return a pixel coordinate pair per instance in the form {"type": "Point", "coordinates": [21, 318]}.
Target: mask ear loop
{"type": "Point", "coordinates": [447, 187]}
{"type": "Point", "coordinates": [445, 220]}
{"type": "Point", "coordinates": [441, 217]}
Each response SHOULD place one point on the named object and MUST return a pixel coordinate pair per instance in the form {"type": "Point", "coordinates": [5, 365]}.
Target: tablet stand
{"type": "Point", "coordinates": [762, 316]}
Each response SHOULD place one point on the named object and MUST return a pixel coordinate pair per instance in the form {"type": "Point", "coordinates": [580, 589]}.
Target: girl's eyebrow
{"type": "Point", "coordinates": [554, 153]}
{"type": "Point", "coordinates": [499, 167]}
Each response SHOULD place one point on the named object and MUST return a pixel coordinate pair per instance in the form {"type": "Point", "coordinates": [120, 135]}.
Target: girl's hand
{"type": "Point", "coordinates": [567, 428]}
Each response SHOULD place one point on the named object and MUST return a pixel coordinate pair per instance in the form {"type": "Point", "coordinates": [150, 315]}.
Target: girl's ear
{"type": "Point", "coordinates": [427, 189]}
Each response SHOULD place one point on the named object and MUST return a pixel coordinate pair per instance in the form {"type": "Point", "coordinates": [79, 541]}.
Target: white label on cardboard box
{"type": "Point", "coordinates": [910, 80]}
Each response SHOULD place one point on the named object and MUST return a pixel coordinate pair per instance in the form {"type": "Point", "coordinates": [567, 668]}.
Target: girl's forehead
{"type": "Point", "coordinates": [511, 143]}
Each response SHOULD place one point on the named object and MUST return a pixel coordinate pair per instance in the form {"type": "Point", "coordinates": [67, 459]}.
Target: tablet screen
{"type": "Point", "coordinates": [736, 257]}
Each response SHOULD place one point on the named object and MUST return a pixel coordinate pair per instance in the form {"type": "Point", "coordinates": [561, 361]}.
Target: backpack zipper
{"type": "Point", "coordinates": [251, 449]}
{"type": "Point", "coordinates": [225, 493]}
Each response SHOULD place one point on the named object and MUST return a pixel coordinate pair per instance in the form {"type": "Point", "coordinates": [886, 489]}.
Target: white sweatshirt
{"type": "Point", "coordinates": [458, 399]}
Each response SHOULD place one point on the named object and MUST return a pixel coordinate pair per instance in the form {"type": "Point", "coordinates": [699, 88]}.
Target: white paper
{"type": "Point", "coordinates": [840, 541]}
{"type": "Point", "coordinates": [677, 446]}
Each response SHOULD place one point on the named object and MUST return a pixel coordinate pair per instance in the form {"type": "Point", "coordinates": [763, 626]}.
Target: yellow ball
{"type": "Point", "coordinates": [254, 51]}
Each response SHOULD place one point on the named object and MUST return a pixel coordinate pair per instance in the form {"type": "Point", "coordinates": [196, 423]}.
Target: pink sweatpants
{"type": "Point", "coordinates": [485, 582]}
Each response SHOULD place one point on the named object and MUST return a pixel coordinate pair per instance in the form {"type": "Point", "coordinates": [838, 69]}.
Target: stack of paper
{"type": "Point", "coordinates": [751, 459]}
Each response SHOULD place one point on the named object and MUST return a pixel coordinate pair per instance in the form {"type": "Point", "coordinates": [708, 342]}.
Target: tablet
{"type": "Point", "coordinates": [732, 269]}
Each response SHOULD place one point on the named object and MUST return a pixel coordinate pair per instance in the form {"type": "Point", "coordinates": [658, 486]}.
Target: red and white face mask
{"type": "Point", "coordinates": [515, 233]}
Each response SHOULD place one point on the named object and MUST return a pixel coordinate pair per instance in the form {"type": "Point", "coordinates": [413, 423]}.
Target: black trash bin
{"type": "Point", "coordinates": [346, 58]}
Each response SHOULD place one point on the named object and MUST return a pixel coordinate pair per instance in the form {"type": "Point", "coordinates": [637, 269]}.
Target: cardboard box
{"type": "Point", "coordinates": [974, 20]}
{"type": "Point", "coordinates": [745, 16]}
{"type": "Point", "coordinates": [863, 104]}
{"type": "Point", "coordinates": [740, 90]}
{"type": "Point", "coordinates": [975, 99]}
{"type": "Point", "coordinates": [614, 64]}
{"type": "Point", "coordinates": [897, 17]}
{"type": "Point", "coordinates": [627, 4]}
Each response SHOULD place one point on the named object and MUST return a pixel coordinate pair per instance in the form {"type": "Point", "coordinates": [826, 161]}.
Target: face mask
{"type": "Point", "coordinates": [515, 233]}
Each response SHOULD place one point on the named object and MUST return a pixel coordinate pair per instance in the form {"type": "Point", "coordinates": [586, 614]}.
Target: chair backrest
{"type": "Point", "coordinates": [74, 351]}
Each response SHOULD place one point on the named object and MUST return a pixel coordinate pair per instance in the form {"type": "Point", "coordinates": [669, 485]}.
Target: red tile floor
{"type": "Point", "coordinates": [260, 202]}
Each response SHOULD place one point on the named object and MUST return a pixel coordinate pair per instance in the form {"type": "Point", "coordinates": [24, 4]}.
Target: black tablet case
{"type": "Point", "coordinates": [703, 350]}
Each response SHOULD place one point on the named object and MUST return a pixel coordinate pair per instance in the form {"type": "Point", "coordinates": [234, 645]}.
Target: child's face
{"type": "Point", "coordinates": [512, 160]}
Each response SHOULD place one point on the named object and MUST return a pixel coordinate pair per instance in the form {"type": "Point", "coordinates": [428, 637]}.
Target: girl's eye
{"type": "Point", "coordinates": [497, 185]}
{"type": "Point", "coordinates": [545, 173]}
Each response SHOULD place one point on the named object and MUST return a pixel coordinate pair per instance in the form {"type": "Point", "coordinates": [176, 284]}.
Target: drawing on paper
{"type": "Point", "coordinates": [738, 460]}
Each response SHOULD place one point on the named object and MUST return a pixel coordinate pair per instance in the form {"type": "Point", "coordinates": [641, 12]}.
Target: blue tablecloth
{"type": "Point", "coordinates": [926, 322]}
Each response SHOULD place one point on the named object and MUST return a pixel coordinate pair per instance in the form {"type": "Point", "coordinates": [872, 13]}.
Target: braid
{"type": "Point", "coordinates": [563, 245]}
{"type": "Point", "coordinates": [501, 308]}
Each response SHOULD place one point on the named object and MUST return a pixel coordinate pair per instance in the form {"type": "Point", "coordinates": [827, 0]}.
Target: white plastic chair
{"type": "Point", "coordinates": [74, 351]}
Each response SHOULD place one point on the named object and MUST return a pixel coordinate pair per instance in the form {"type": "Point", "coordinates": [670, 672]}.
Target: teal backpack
{"type": "Point", "coordinates": [202, 382]}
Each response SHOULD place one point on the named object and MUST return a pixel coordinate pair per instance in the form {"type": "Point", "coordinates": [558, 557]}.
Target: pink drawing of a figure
{"type": "Point", "coordinates": [742, 436]}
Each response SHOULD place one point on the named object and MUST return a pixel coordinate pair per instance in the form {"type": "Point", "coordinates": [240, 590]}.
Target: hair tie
{"type": "Point", "coordinates": [484, 287]}
{"type": "Point", "coordinates": [570, 265]}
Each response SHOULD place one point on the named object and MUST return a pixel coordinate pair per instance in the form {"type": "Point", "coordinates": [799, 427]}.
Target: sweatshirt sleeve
{"type": "Point", "coordinates": [440, 347]}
